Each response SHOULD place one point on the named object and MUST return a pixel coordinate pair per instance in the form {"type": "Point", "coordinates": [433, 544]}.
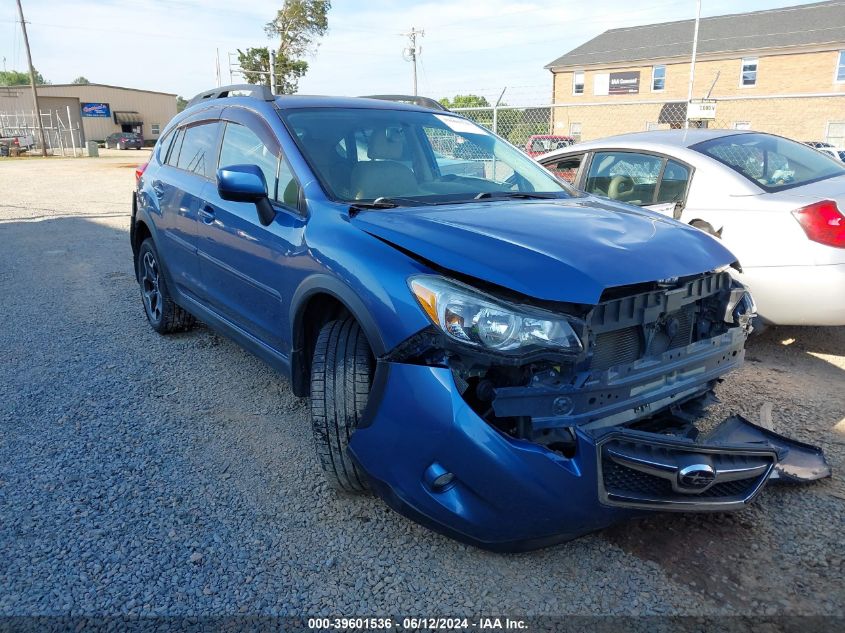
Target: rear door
{"type": "Point", "coordinates": [652, 181]}
{"type": "Point", "coordinates": [179, 185]}
{"type": "Point", "coordinates": [243, 262]}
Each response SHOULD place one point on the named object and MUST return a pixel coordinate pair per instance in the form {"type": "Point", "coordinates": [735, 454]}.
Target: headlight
{"type": "Point", "coordinates": [474, 318]}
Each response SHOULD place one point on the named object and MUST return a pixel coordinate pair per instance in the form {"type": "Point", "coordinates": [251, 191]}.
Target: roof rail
{"type": "Point", "coordinates": [242, 90]}
{"type": "Point", "coordinates": [423, 102]}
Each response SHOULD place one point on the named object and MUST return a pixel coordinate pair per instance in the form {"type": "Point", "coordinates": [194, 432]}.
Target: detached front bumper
{"type": "Point", "coordinates": [511, 494]}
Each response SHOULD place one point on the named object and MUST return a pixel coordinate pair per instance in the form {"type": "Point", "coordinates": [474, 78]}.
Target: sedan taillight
{"type": "Point", "coordinates": [823, 222]}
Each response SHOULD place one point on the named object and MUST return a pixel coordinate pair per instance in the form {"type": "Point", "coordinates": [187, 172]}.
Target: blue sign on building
{"type": "Point", "coordinates": [96, 110]}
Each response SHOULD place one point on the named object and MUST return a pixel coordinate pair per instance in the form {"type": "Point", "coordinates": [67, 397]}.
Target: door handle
{"type": "Point", "coordinates": [206, 214]}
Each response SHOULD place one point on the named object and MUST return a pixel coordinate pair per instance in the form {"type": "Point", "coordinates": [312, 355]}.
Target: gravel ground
{"type": "Point", "coordinates": [150, 475]}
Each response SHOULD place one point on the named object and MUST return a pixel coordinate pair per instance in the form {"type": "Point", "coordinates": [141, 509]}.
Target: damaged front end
{"type": "Point", "coordinates": [523, 423]}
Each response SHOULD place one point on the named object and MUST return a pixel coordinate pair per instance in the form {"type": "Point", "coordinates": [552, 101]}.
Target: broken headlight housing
{"type": "Point", "coordinates": [474, 318]}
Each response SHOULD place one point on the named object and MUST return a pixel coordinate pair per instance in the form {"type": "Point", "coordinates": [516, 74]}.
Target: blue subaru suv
{"type": "Point", "coordinates": [501, 358]}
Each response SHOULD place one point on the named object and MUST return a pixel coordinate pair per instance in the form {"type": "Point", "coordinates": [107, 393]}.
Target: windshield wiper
{"type": "Point", "coordinates": [378, 203]}
{"type": "Point", "coordinates": [527, 195]}
{"type": "Point", "coordinates": [383, 202]}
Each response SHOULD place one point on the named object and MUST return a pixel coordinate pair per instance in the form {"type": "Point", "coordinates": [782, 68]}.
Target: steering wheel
{"type": "Point", "coordinates": [621, 187]}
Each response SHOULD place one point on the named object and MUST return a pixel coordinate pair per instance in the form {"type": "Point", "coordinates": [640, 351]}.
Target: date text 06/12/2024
{"type": "Point", "coordinates": [417, 623]}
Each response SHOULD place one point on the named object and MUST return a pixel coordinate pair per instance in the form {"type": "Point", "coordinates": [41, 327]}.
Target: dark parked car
{"type": "Point", "coordinates": [124, 140]}
{"type": "Point", "coordinates": [501, 358]}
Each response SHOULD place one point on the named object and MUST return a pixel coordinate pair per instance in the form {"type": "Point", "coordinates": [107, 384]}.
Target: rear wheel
{"type": "Point", "coordinates": [162, 312]}
{"type": "Point", "coordinates": [341, 376]}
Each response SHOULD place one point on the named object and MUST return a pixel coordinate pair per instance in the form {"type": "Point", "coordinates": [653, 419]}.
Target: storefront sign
{"type": "Point", "coordinates": [625, 83]}
{"type": "Point", "coordinates": [100, 110]}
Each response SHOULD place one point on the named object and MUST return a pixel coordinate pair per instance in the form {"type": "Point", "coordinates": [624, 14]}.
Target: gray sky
{"type": "Point", "coordinates": [469, 45]}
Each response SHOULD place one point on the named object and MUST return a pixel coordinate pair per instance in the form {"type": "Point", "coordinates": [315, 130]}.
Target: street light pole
{"type": "Point", "coordinates": [32, 82]}
{"type": "Point", "coordinates": [692, 61]}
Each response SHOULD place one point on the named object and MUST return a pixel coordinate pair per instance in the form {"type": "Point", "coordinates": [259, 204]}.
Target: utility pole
{"type": "Point", "coordinates": [32, 81]}
{"type": "Point", "coordinates": [692, 61]}
{"type": "Point", "coordinates": [410, 54]}
{"type": "Point", "coordinates": [273, 71]}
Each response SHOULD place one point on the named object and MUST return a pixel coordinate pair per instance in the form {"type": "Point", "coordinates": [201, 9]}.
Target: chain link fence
{"type": "Point", "coordinates": [541, 128]}
{"type": "Point", "coordinates": [62, 135]}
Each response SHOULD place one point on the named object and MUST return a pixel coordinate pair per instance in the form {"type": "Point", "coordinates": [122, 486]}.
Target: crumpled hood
{"type": "Point", "coordinates": [562, 250]}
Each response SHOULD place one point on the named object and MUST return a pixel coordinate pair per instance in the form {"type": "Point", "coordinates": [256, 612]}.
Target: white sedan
{"type": "Point", "coordinates": [777, 204]}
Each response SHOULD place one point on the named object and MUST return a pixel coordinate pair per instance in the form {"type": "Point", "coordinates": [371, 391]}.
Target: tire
{"type": "Point", "coordinates": [121, 146]}
{"type": "Point", "coordinates": [162, 312]}
{"type": "Point", "coordinates": [341, 376]}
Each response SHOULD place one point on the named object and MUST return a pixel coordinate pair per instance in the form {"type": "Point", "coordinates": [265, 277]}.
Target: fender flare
{"type": "Point", "coordinates": [321, 283]}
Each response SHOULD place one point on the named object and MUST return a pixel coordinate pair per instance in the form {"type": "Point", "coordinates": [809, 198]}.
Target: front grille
{"type": "Point", "coordinates": [641, 474]}
{"type": "Point", "coordinates": [629, 482]}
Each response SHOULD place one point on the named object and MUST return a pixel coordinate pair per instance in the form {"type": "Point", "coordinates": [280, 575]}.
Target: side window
{"type": "Point", "coordinates": [197, 152]}
{"type": "Point", "coordinates": [566, 168]}
{"type": "Point", "coordinates": [624, 176]}
{"type": "Point", "coordinates": [164, 146]}
{"type": "Point", "coordinates": [673, 186]}
{"type": "Point", "coordinates": [241, 146]}
{"type": "Point", "coordinates": [288, 193]}
{"type": "Point", "coordinates": [173, 157]}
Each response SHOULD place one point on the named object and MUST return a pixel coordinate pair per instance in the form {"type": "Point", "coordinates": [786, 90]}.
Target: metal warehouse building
{"type": "Point", "coordinates": [779, 70]}
{"type": "Point", "coordinates": [97, 110]}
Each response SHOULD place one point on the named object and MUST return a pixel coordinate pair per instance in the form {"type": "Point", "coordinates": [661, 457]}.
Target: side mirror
{"type": "Point", "coordinates": [246, 183]}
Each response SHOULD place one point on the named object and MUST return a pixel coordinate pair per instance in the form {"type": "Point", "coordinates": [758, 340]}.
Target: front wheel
{"type": "Point", "coordinates": [341, 376]}
{"type": "Point", "coordinates": [162, 312]}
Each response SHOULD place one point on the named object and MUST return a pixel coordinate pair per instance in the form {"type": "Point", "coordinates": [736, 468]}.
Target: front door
{"type": "Point", "coordinates": [243, 262]}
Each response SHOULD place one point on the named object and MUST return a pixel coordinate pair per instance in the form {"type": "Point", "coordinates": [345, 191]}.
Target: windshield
{"type": "Point", "coordinates": [413, 157]}
{"type": "Point", "coordinates": [772, 162]}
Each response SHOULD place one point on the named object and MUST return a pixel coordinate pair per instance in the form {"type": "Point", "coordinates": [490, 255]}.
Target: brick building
{"type": "Point", "coordinates": [779, 70]}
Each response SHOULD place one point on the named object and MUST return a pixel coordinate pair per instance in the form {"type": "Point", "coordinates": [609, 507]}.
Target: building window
{"type": "Point", "coordinates": [748, 76]}
{"type": "Point", "coordinates": [578, 82]}
{"type": "Point", "coordinates": [658, 78]}
{"type": "Point", "coordinates": [155, 128]}
{"type": "Point", "coordinates": [575, 131]}
{"type": "Point", "coordinates": [840, 67]}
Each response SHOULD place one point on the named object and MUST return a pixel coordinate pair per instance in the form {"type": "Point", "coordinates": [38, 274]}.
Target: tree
{"type": "Point", "coordinates": [297, 25]}
{"type": "Point", "coordinates": [15, 78]}
{"type": "Point", "coordinates": [465, 101]}
{"type": "Point", "coordinates": [81, 81]}
{"type": "Point", "coordinates": [181, 103]}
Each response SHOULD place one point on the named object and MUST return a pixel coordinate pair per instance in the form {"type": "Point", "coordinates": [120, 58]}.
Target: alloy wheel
{"type": "Point", "coordinates": [150, 289]}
